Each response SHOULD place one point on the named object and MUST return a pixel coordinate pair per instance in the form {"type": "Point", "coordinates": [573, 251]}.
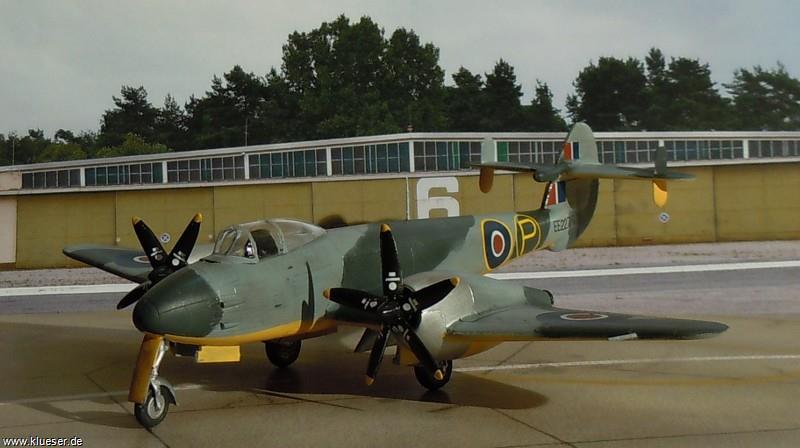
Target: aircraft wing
{"type": "Point", "coordinates": [130, 264]}
{"type": "Point", "coordinates": [530, 322]}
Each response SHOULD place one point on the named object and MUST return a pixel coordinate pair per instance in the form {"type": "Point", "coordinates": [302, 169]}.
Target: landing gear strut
{"type": "Point", "coordinates": [426, 378]}
{"type": "Point", "coordinates": [160, 394]}
{"type": "Point", "coordinates": [282, 353]}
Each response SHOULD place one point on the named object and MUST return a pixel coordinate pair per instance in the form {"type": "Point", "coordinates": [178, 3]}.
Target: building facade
{"type": "Point", "coordinates": [402, 176]}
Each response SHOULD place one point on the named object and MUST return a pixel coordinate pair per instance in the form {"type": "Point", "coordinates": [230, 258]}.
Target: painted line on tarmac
{"type": "Point", "coordinates": [616, 362]}
{"type": "Point", "coordinates": [72, 289]}
{"type": "Point", "coordinates": [113, 393]}
{"type": "Point", "coordinates": [648, 270]}
{"type": "Point", "coordinates": [126, 287]}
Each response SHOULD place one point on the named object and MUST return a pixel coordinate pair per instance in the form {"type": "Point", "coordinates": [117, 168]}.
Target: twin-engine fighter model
{"type": "Point", "coordinates": [417, 284]}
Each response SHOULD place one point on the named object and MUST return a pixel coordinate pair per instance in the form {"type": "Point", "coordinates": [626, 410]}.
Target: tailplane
{"type": "Point", "coordinates": [578, 160]}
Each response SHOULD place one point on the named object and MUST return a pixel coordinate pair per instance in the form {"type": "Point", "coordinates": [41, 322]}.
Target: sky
{"type": "Point", "coordinates": [62, 61]}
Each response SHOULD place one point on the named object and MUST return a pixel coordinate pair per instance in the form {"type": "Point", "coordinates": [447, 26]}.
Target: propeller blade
{"type": "Point", "coordinates": [180, 253]}
{"type": "Point", "coordinates": [148, 352]}
{"type": "Point", "coordinates": [421, 352]}
{"type": "Point", "coordinates": [433, 294]}
{"type": "Point", "coordinates": [353, 298]}
{"type": "Point", "coordinates": [152, 247]}
{"type": "Point", "coordinates": [390, 265]}
{"type": "Point", "coordinates": [376, 355]}
{"type": "Point", "coordinates": [134, 295]}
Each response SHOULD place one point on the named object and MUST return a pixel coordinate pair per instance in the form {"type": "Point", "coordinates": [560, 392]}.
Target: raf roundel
{"type": "Point", "coordinates": [497, 243]}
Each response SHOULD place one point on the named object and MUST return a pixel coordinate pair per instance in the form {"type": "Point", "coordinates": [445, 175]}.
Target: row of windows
{"type": "Point", "coordinates": [541, 152]}
{"type": "Point", "coordinates": [52, 179]}
{"type": "Point", "coordinates": [206, 170]}
{"type": "Point", "coordinates": [308, 163]}
{"type": "Point", "coordinates": [395, 158]}
{"type": "Point", "coordinates": [774, 148]}
{"type": "Point", "coordinates": [368, 159]}
{"type": "Point", "coordinates": [445, 156]}
{"type": "Point", "coordinates": [133, 174]}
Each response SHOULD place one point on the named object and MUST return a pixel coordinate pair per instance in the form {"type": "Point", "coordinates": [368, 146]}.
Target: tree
{"type": "Point", "coordinates": [414, 85]}
{"type": "Point", "coordinates": [502, 110]}
{"type": "Point", "coordinates": [465, 101]}
{"type": "Point", "coordinates": [693, 101]}
{"type": "Point", "coordinates": [610, 95]}
{"type": "Point", "coordinates": [171, 125]}
{"type": "Point", "coordinates": [132, 145]}
{"type": "Point", "coordinates": [133, 113]}
{"type": "Point", "coordinates": [656, 116]}
{"type": "Point", "coordinates": [541, 115]}
{"type": "Point", "coordinates": [57, 152]}
{"type": "Point", "coordinates": [765, 99]}
{"type": "Point", "coordinates": [229, 114]}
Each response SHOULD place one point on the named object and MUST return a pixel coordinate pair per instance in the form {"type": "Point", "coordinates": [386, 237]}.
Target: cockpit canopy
{"type": "Point", "coordinates": [263, 239]}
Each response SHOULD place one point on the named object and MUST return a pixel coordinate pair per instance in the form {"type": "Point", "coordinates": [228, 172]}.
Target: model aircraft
{"type": "Point", "coordinates": [415, 284]}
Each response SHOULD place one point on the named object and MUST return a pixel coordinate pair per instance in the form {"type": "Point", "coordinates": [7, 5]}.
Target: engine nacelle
{"type": "Point", "coordinates": [435, 320]}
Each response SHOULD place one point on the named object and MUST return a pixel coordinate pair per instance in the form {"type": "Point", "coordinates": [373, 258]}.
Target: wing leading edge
{"type": "Point", "coordinates": [530, 322]}
{"type": "Point", "coordinates": [129, 264]}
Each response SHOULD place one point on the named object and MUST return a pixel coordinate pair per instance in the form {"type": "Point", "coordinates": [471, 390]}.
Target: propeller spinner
{"type": "Point", "coordinates": [163, 264]}
{"type": "Point", "coordinates": [398, 309]}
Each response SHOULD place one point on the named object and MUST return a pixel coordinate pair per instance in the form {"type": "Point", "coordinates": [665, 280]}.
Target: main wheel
{"type": "Point", "coordinates": [153, 410]}
{"type": "Point", "coordinates": [426, 378]}
{"type": "Point", "coordinates": [282, 353]}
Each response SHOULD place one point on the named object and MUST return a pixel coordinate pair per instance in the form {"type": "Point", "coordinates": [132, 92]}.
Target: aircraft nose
{"type": "Point", "coordinates": [183, 304]}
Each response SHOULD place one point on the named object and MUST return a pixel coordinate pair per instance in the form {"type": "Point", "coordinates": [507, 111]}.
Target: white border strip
{"type": "Point", "coordinates": [73, 289]}
{"type": "Point", "coordinates": [616, 362]}
{"type": "Point", "coordinates": [648, 270]}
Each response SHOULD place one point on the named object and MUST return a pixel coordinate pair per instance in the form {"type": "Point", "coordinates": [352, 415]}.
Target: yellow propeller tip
{"type": "Point", "coordinates": [327, 293]}
{"type": "Point", "coordinates": [385, 228]}
{"type": "Point", "coordinates": [135, 220]}
{"type": "Point", "coordinates": [438, 375]}
{"type": "Point", "coordinates": [198, 218]}
{"type": "Point", "coordinates": [369, 381]}
{"type": "Point", "coordinates": [455, 281]}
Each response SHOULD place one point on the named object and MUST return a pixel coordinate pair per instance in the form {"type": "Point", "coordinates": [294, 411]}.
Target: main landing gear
{"type": "Point", "coordinates": [428, 380]}
{"type": "Point", "coordinates": [282, 353]}
{"type": "Point", "coordinates": [160, 394]}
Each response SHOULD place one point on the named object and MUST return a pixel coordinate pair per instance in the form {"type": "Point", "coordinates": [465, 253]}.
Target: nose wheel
{"type": "Point", "coordinates": [155, 407]}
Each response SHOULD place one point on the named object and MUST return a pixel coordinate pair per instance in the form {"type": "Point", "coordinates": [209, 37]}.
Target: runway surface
{"type": "Point", "coordinates": [68, 361]}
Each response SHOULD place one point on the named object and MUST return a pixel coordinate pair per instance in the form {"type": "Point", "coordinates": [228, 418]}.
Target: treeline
{"type": "Point", "coordinates": [347, 79]}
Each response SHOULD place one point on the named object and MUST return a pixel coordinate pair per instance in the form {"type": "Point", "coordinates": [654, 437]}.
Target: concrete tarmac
{"type": "Point", "coordinates": [66, 374]}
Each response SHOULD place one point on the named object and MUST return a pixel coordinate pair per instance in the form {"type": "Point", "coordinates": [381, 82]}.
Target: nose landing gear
{"type": "Point", "coordinates": [151, 404]}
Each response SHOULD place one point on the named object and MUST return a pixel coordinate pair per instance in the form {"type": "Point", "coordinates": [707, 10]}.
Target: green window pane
{"type": "Point", "coordinates": [404, 157]}
{"type": "Point", "coordinates": [441, 156]}
{"type": "Point", "coordinates": [158, 175]}
{"type": "Point", "coordinates": [276, 162]}
{"type": "Point", "coordinates": [311, 163]}
{"type": "Point", "coordinates": [90, 177]}
{"type": "Point", "coordinates": [502, 151]}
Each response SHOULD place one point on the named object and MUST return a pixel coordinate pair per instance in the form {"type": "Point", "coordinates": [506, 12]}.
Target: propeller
{"type": "Point", "coordinates": [163, 264]}
{"type": "Point", "coordinates": [399, 308]}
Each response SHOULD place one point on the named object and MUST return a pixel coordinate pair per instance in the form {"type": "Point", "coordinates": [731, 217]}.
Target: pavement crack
{"type": "Point", "coordinates": [524, 423]}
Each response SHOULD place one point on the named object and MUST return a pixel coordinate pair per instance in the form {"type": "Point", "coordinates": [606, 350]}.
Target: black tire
{"type": "Point", "coordinates": [282, 354]}
{"type": "Point", "coordinates": [152, 412]}
{"type": "Point", "coordinates": [428, 381]}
